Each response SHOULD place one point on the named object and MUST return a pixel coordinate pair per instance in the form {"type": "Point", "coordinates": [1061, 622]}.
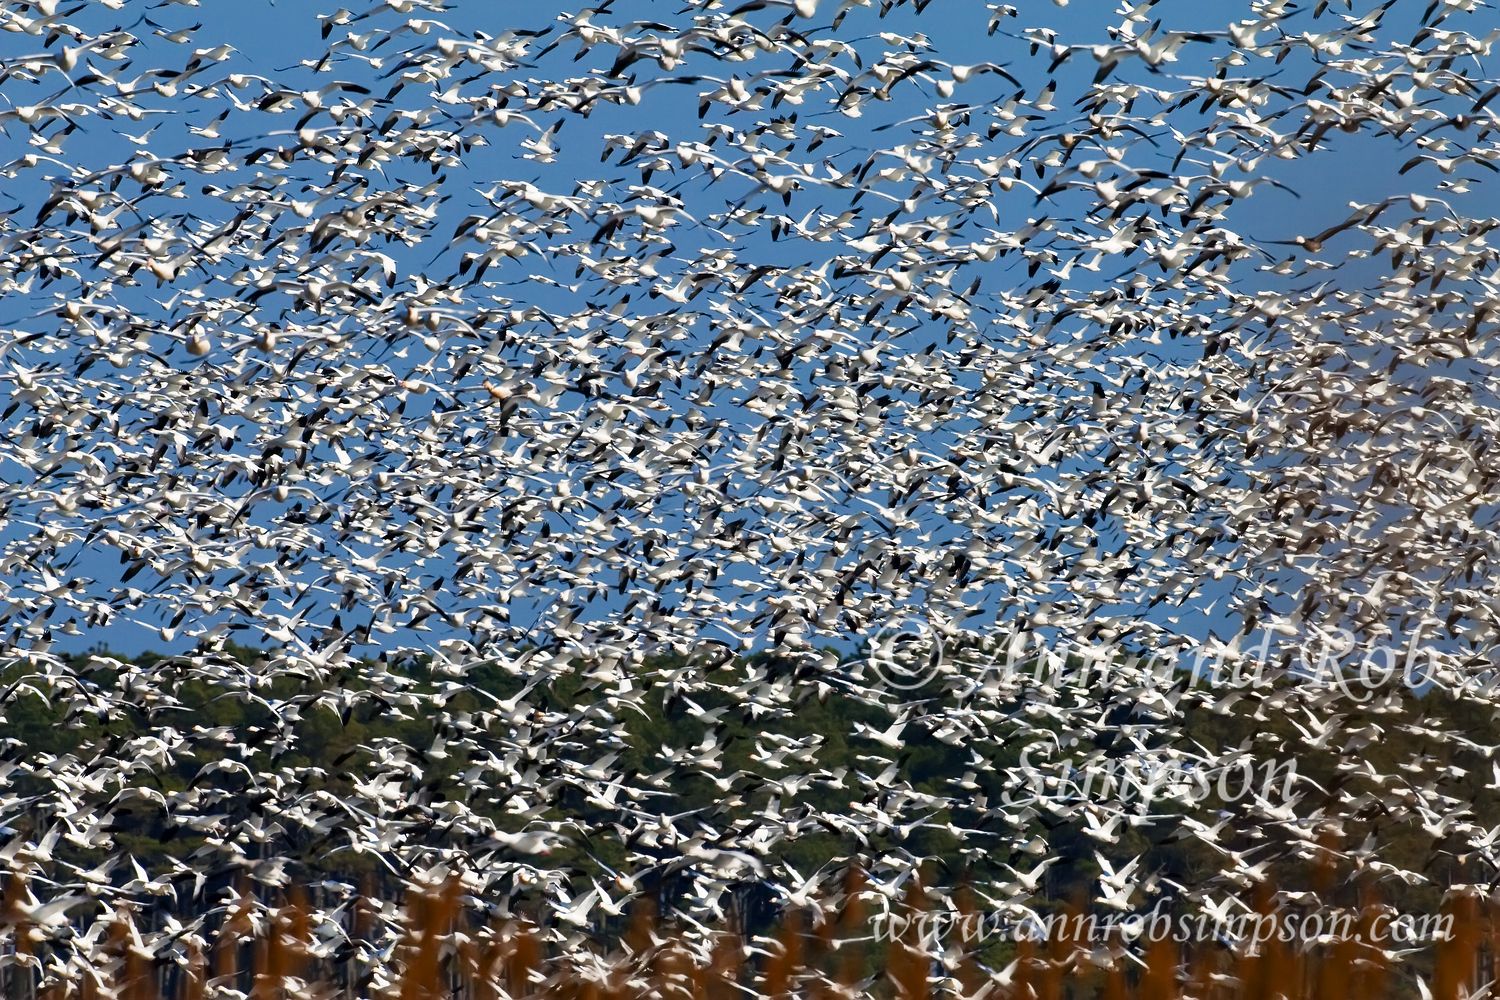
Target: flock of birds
{"type": "Point", "coordinates": [625, 343]}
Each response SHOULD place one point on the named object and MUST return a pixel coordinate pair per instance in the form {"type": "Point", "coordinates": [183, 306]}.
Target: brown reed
{"type": "Point", "coordinates": [821, 953]}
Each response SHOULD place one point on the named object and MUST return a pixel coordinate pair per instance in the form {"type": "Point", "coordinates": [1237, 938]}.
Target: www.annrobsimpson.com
{"type": "Point", "coordinates": [1383, 927]}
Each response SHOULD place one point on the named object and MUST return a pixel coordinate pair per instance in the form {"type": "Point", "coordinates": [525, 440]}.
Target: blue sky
{"type": "Point", "coordinates": [271, 38]}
